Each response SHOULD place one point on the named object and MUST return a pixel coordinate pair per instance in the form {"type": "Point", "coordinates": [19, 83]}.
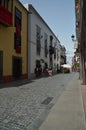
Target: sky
{"type": "Point", "coordinates": [60, 17]}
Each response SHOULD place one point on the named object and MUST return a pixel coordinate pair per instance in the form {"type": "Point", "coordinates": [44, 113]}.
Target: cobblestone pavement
{"type": "Point", "coordinates": [22, 107]}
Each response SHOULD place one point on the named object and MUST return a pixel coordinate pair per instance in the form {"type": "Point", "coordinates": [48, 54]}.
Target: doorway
{"type": "Point", "coordinates": [17, 68]}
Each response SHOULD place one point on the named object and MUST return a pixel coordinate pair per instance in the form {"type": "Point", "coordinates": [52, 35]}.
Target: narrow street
{"type": "Point", "coordinates": [25, 107]}
{"type": "Point", "coordinates": [42, 65]}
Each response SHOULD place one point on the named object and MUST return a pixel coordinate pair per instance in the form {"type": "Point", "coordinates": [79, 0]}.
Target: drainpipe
{"type": "Point", "coordinates": [27, 46]}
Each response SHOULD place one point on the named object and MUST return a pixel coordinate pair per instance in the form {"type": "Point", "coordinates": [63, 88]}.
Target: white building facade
{"type": "Point", "coordinates": [43, 45]}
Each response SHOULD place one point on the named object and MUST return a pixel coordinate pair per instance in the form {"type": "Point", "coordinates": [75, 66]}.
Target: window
{"type": "Point", "coordinates": [6, 4]}
{"type": "Point", "coordinates": [45, 45]}
{"type": "Point", "coordinates": [17, 34]}
{"type": "Point", "coordinates": [38, 40]}
{"type": "Point", "coordinates": [0, 1]}
{"type": "Point", "coordinates": [17, 41]}
{"type": "Point", "coordinates": [38, 63]}
{"type": "Point", "coordinates": [18, 17]}
{"type": "Point", "coordinates": [54, 53]}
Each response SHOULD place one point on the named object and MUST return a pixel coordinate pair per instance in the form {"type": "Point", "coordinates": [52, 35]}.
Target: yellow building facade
{"type": "Point", "coordinates": [13, 41]}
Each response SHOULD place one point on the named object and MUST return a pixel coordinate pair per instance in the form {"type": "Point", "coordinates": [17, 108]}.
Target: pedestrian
{"type": "Point", "coordinates": [36, 72]}
{"type": "Point", "coordinates": [50, 71]}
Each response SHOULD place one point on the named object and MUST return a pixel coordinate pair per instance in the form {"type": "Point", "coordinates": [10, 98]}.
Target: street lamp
{"type": "Point", "coordinates": [75, 42]}
{"type": "Point", "coordinates": [73, 38]}
{"type": "Point", "coordinates": [76, 56]}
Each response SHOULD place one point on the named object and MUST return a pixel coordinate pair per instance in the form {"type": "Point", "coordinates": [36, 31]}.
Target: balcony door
{"type": "Point", "coordinates": [17, 68]}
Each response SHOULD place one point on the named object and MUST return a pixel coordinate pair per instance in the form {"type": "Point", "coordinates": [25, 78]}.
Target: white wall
{"type": "Point", "coordinates": [35, 19]}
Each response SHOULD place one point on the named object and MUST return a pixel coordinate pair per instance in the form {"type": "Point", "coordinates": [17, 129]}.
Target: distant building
{"type": "Point", "coordinates": [62, 55]}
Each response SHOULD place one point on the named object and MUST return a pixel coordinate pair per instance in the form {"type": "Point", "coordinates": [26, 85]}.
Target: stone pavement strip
{"type": "Point", "coordinates": [68, 112]}
{"type": "Point", "coordinates": [83, 88]}
{"type": "Point", "coordinates": [24, 106]}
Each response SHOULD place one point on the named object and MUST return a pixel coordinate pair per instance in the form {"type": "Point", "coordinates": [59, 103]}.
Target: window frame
{"type": "Point", "coordinates": [38, 40]}
{"type": "Point", "coordinates": [45, 44]}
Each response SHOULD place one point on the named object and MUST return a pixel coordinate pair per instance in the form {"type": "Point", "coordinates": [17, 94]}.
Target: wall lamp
{"type": "Point", "coordinates": [73, 38]}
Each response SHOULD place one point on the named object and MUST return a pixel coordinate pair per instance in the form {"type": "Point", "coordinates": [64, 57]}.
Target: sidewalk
{"type": "Point", "coordinates": [68, 112]}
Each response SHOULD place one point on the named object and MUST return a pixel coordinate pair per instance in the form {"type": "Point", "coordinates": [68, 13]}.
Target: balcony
{"type": "Point", "coordinates": [5, 16]}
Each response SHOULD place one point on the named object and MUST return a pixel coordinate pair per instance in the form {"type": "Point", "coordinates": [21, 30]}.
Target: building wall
{"type": "Point", "coordinates": [58, 56]}
{"type": "Point", "coordinates": [24, 36]}
{"type": "Point", "coordinates": [7, 44]}
{"type": "Point", "coordinates": [80, 10]}
{"type": "Point", "coordinates": [34, 20]}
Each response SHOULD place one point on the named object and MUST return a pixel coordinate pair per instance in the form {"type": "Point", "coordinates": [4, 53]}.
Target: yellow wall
{"type": "Point", "coordinates": [7, 42]}
{"type": "Point", "coordinates": [23, 35]}
{"type": "Point", "coordinates": [6, 45]}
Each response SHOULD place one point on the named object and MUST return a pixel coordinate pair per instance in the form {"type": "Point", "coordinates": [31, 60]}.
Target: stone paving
{"type": "Point", "coordinates": [21, 107]}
